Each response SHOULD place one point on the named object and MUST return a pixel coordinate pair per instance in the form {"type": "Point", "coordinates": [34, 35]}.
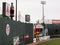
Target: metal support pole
{"type": "Point", "coordinates": [16, 10]}
{"type": "Point", "coordinates": [43, 3]}
{"type": "Point", "coordinates": [43, 18]}
{"type": "Point", "coordinates": [43, 12]}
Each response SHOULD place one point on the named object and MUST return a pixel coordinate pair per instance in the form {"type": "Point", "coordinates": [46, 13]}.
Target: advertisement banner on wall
{"type": "Point", "coordinates": [55, 21]}
{"type": "Point", "coordinates": [7, 9]}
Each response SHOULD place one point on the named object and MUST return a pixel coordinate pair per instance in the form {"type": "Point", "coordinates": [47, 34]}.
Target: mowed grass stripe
{"type": "Point", "coordinates": [51, 42]}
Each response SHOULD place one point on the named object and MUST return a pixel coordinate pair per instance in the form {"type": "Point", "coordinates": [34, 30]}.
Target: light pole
{"type": "Point", "coordinates": [43, 3]}
{"type": "Point", "coordinates": [16, 10]}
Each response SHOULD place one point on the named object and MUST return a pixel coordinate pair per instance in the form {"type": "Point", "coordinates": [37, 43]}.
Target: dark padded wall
{"type": "Point", "coordinates": [29, 31]}
{"type": "Point", "coordinates": [16, 29]}
{"type": "Point", "coordinates": [53, 29]}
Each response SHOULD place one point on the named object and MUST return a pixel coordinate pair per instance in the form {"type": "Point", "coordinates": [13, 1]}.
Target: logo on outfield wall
{"type": "Point", "coordinates": [7, 29]}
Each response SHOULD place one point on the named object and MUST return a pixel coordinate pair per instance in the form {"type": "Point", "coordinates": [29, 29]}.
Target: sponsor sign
{"type": "Point", "coordinates": [7, 9]}
{"type": "Point", "coordinates": [55, 21]}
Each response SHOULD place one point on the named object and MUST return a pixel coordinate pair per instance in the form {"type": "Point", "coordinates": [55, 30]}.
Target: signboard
{"type": "Point", "coordinates": [7, 9]}
{"type": "Point", "coordinates": [27, 18]}
{"type": "Point", "coordinates": [7, 29]}
{"type": "Point", "coordinates": [55, 21]}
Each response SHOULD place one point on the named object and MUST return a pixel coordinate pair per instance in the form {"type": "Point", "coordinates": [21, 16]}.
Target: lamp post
{"type": "Point", "coordinates": [16, 10]}
{"type": "Point", "coordinates": [43, 3]}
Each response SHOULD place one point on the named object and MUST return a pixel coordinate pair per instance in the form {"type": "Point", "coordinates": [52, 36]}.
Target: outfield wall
{"type": "Point", "coordinates": [53, 29]}
{"type": "Point", "coordinates": [16, 29]}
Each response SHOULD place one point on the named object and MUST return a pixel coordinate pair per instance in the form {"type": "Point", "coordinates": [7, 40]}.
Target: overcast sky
{"type": "Point", "coordinates": [34, 9]}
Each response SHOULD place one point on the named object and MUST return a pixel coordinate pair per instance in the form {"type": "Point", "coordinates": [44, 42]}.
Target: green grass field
{"type": "Point", "coordinates": [51, 42]}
